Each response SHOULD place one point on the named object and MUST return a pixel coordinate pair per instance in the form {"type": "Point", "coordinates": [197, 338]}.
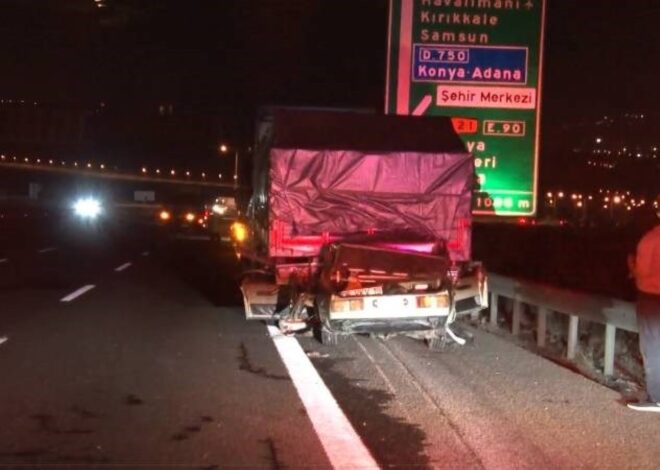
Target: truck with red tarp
{"type": "Point", "coordinates": [359, 223]}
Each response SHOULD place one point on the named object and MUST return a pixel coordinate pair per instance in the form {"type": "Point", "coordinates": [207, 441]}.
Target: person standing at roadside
{"type": "Point", "coordinates": [645, 268]}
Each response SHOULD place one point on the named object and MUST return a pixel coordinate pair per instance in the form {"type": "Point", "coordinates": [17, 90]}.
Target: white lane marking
{"type": "Point", "coordinates": [47, 250]}
{"type": "Point", "coordinates": [77, 293]}
{"type": "Point", "coordinates": [145, 253]}
{"type": "Point", "coordinates": [3, 339]}
{"type": "Point", "coordinates": [122, 267]}
{"type": "Point", "coordinates": [3, 260]}
{"type": "Point", "coordinates": [342, 444]}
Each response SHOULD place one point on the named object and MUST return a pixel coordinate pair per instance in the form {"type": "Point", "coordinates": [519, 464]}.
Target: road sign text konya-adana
{"type": "Point", "coordinates": [478, 61]}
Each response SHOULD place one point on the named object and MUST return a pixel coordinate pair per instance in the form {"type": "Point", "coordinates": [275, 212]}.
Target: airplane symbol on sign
{"type": "Point", "coordinates": [529, 5]}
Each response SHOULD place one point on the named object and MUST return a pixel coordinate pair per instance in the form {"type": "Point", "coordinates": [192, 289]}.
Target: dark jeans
{"type": "Point", "coordinates": [648, 321]}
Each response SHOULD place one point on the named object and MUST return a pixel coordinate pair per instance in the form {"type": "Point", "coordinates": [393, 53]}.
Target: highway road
{"type": "Point", "coordinates": [125, 349]}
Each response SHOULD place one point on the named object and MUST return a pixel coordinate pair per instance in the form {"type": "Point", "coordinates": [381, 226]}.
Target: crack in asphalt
{"type": "Point", "coordinates": [246, 365]}
{"type": "Point", "coordinates": [272, 451]}
{"type": "Point", "coordinates": [47, 424]}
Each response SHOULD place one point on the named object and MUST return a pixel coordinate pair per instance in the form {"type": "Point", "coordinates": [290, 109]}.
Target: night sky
{"type": "Point", "coordinates": [228, 56]}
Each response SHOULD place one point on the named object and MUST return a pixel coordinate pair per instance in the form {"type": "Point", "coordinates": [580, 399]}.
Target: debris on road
{"type": "Point", "coordinates": [316, 355]}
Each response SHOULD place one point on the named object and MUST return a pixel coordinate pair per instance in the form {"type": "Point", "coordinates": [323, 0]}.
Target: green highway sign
{"type": "Point", "coordinates": [480, 62]}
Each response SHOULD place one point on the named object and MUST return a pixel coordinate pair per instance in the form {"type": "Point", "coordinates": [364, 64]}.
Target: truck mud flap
{"type": "Point", "coordinates": [260, 298]}
{"type": "Point", "coordinates": [470, 296]}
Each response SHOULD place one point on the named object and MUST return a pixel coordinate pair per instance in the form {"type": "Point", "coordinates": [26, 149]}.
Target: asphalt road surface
{"type": "Point", "coordinates": [125, 349]}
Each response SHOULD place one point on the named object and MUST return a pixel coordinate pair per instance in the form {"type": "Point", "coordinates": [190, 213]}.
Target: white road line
{"type": "Point", "coordinates": [46, 250]}
{"type": "Point", "coordinates": [342, 444]}
{"type": "Point", "coordinates": [3, 339]}
{"type": "Point", "coordinates": [145, 253]}
{"type": "Point", "coordinates": [77, 293]}
{"type": "Point", "coordinates": [3, 260]}
{"type": "Point", "coordinates": [122, 267]}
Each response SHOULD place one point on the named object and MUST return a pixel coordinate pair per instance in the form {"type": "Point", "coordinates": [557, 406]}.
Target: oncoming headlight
{"type": "Point", "coordinates": [218, 209]}
{"type": "Point", "coordinates": [87, 208]}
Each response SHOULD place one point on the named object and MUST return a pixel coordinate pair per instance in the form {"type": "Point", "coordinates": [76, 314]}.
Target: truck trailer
{"type": "Point", "coordinates": [360, 223]}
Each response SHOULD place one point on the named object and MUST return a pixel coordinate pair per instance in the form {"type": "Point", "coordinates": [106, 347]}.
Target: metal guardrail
{"type": "Point", "coordinates": [614, 314]}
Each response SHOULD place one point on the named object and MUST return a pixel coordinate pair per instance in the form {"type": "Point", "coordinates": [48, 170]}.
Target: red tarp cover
{"type": "Point", "coordinates": [331, 193]}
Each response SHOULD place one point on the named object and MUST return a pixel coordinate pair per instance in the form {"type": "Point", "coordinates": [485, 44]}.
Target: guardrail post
{"type": "Point", "coordinates": [517, 311]}
{"type": "Point", "coordinates": [610, 344]}
{"type": "Point", "coordinates": [573, 323]}
{"type": "Point", "coordinates": [494, 298]}
{"type": "Point", "coordinates": [541, 326]}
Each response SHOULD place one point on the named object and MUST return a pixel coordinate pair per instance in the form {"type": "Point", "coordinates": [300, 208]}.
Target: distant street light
{"type": "Point", "coordinates": [224, 149]}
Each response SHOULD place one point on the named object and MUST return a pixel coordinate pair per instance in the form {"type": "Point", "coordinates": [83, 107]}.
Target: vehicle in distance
{"type": "Point", "coordinates": [186, 219]}
{"type": "Point", "coordinates": [220, 215]}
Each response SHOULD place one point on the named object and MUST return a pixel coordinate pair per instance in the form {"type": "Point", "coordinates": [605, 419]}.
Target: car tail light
{"type": "Point", "coordinates": [346, 305]}
{"type": "Point", "coordinates": [426, 301]}
{"type": "Point", "coordinates": [356, 304]}
{"type": "Point", "coordinates": [340, 305]}
{"type": "Point", "coordinates": [442, 301]}
{"type": "Point", "coordinates": [433, 301]}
